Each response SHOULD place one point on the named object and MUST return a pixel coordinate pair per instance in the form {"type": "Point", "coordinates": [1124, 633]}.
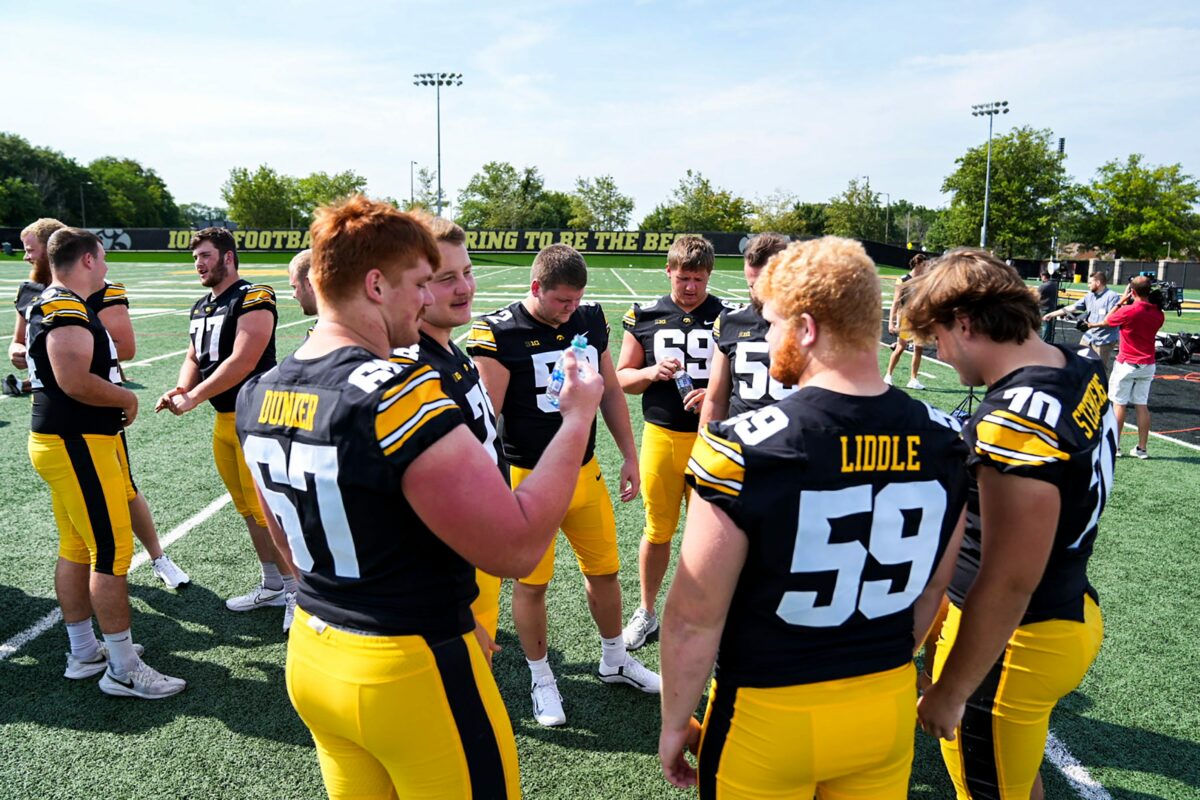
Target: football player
{"type": "Point", "coordinates": [1023, 624]}
{"type": "Point", "coordinates": [33, 240]}
{"type": "Point", "coordinates": [79, 409]}
{"type": "Point", "coordinates": [670, 336]}
{"type": "Point", "coordinates": [740, 379]}
{"type": "Point", "coordinates": [301, 287]}
{"type": "Point", "coordinates": [383, 499]}
{"type": "Point", "coordinates": [516, 349]}
{"type": "Point", "coordinates": [453, 289]}
{"type": "Point", "coordinates": [915, 267]}
{"type": "Point", "coordinates": [232, 339]}
{"type": "Point", "coordinates": [821, 539]}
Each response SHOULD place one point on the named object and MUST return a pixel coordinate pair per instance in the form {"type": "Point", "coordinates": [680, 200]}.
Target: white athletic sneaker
{"type": "Point", "coordinates": [913, 383]}
{"type": "Point", "coordinates": [78, 668]}
{"type": "Point", "coordinates": [168, 572]}
{"type": "Point", "coordinates": [547, 703]}
{"type": "Point", "coordinates": [633, 673]}
{"type": "Point", "coordinates": [1138, 452]}
{"type": "Point", "coordinates": [142, 681]}
{"type": "Point", "coordinates": [289, 610]}
{"type": "Point", "coordinates": [258, 597]}
{"type": "Point", "coordinates": [641, 626]}
{"type": "Point", "coordinates": [887, 379]}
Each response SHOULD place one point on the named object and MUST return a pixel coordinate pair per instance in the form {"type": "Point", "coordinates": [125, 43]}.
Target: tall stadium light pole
{"type": "Point", "coordinates": [412, 198]}
{"type": "Point", "coordinates": [988, 110]}
{"type": "Point", "coordinates": [887, 216]}
{"type": "Point", "coordinates": [438, 80]}
{"type": "Point", "coordinates": [83, 205]}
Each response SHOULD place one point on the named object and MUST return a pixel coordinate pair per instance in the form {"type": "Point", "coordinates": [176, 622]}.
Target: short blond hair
{"type": "Point", "coordinates": [42, 229]}
{"type": "Point", "coordinates": [444, 230]}
{"type": "Point", "coordinates": [834, 281]}
{"type": "Point", "coordinates": [691, 253]}
{"type": "Point", "coordinates": [300, 264]}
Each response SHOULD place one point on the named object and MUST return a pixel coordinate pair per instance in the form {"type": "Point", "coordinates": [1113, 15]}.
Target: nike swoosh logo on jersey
{"type": "Point", "coordinates": [708, 324]}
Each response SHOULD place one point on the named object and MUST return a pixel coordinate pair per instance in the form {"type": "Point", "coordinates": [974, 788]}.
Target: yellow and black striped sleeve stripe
{"type": "Point", "coordinates": [717, 327]}
{"type": "Point", "coordinates": [717, 465]}
{"type": "Point", "coordinates": [1007, 438]}
{"type": "Point", "coordinates": [115, 295]}
{"type": "Point", "coordinates": [408, 406]}
{"type": "Point", "coordinates": [481, 339]}
{"type": "Point", "coordinates": [630, 318]}
{"type": "Point", "coordinates": [259, 297]}
{"type": "Point", "coordinates": [64, 310]}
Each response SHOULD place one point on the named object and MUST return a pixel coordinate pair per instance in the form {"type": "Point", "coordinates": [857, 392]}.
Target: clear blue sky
{"type": "Point", "coordinates": [759, 96]}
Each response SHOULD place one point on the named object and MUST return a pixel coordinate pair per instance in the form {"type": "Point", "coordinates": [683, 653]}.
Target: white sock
{"type": "Point", "coordinates": [540, 669]}
{"type": "Point", "coordinates": [612, 651]}
{"type": "Point", "coordinates": [270, 576]}
{"type": "Point", "coordinates": [289, 583]}
{"type": "Point", "coordinates": [121, 656]}
{"type": "Point", "coordinates": [83, 639]}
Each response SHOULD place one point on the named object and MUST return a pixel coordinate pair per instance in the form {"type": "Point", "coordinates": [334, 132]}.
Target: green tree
{"type": "Point", "coordinates": [260, 199]}
{"type": "Point", "coordinates": [1030, 195]}
{"type": "Point", "coordinates": [597, 204]}
{"type": "Point", "coordinates": [56, 180]}
{"type": "Point", "coordinates": [784, 213]}
{"type": "Point", "coordinates": [697, 205]}
{"type": "Point", "coordinates": [321, 188]}
{"type": "Point", "coordinates": [910, 223]}
{"type": "Point", "coordinates": [657, 220]}
{"type": "Point", "coordinates": [137, 197]}
{"type": "Point", "coordinates": [20, 203]}
{"type": "Point", "coordinates": [198, 215]}
{"type": "Point", "coordinates": [500, 196]}
{"type": "Point", "coordinates": [856, 212]}
{"type": "Point", "coordinates": [1134, 208]}
{"type": "Point", "coordinates": [426, 196]}
{"type": "Point", "coordinates": [552, 210]}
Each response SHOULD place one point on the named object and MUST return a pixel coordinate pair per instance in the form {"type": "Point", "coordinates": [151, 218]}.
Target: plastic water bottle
{"type": "Point", "coordinates": [558, 376]}
{"type": "Point", "coordinates": [683, 382]}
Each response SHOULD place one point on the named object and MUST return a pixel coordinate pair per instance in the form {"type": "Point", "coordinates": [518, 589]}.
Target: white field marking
{"type": "Point", "coordinates": [1076, 774]}
{"type": "Point", "coordinates": [13, 645]}
{"type": "Point", "coordinates": [624, 283]}
{"type": "Point", "coordinates": [148, 361]}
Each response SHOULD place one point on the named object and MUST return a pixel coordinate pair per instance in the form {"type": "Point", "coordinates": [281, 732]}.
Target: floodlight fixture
{"type": "Point", "coordinates": [438, 80]}
{"type": "Point", "coordinates": [989, 110]}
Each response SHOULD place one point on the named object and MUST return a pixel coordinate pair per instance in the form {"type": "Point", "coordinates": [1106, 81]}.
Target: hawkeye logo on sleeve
{"type": "Point", "coordinates": [289, 409]}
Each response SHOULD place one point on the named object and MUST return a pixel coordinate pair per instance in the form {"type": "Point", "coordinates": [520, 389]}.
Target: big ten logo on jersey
{"type": "Point", "coordinates": [370, 375]}
{"type": "Point", "coordinates": [206, 333]}
{"type": "Point", "coordinates": [693, 349]}
{"type": "Point", "coordinates": [752, 367]}
{"type": "Point", "coordinates": [543, 365]}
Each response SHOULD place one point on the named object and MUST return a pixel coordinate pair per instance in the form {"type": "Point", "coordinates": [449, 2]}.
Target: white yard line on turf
{"type": "Point", "coordinates": [13, 645]}
{"type": "Point", "coordinates": [624, 283]}
{"type": "Point", "coordinates": [1076, 773]}
{"type": "Point", "coordinates": [148, 361]}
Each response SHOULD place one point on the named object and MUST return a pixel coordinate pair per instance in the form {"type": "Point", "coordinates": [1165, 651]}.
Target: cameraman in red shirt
{"type": "Point", "coordinates": [1139, 319]}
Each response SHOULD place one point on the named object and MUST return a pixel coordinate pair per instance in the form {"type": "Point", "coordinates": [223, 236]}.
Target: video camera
{"type": "Point", "coordinates": [1167, 295]}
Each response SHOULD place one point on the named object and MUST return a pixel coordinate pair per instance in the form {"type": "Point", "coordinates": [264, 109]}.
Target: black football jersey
{"type": "Point", "coordinates": [664, 330]}
{"type": "Point", "coordinates": [27, 292]}
{"type": "Point", "coordinates": [848, 504]}
{"type": "Point", "coordinates": [528, 349]}
{"type": "Point", "coordinates": [328, 441]}
{"type": "Point", "coordinates": [53, 410]}
{"type": "Point", "coordinates": [742, 336]}
{"type": "Point", "coordinates": [214, 327]}
{"type": "Point", "coordinates": [1054, 425]}
{"type": "Point", "coordinates": [460, 377]}
{"type": "Point", "coordinates": [113, 294]}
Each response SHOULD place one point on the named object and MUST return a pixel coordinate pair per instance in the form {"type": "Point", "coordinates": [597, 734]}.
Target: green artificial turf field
{"type": "Point", "coordinates": [1133, 728]}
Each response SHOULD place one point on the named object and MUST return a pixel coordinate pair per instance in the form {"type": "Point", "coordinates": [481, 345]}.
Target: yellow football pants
{"type": "Point", "coordinates": [231, 465]}
{"type": "Point", "coordinates": [663, 461]}
{"type": "Point", "coordinates": [847, 739]}
{"type": "Point", "coordinates": [396, 716]}
{"type": "Point", "coordinates": [90, 495]}
{"type": "Point", "coordinates": [998, 747]}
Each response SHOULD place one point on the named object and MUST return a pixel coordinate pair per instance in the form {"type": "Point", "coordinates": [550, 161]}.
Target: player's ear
{"type": "Point", "coordinates": [373, 284]}
{"type": "Point", "coordinates": [535, 288]}
{"type": "Point", "coordinates": [805, 330]}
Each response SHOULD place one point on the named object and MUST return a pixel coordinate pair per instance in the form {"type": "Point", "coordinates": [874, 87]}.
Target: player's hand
{"type": "Point", "coordinates": [671, 746]}
{"type": "Point", "coordinates": [694, 399]}
{"type": "Point", "coordinates": [938, 713]}
{"type": "Point", "coordinates": [486, 643]}
{"type": "Point", "coordinates": [664, 370]}
{"type": "Point", "coordinates": [16, 354]}
{"type": "Point", "coordinates": [893, 328]}
{"type": "Point", "coordinates": [164, 402]}
{"type": "Point", "coordinates": [182, 403]}
{"type": "Point", "coordinates": [630, 480]}
{"type": "Point", "coordinates": [582, 388]}
{"type": "Point", "coordinates": [130, 409]}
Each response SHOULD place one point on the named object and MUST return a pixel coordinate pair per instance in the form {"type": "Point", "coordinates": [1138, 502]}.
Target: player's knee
{"type": "Point", "coordinates": [655, 535]}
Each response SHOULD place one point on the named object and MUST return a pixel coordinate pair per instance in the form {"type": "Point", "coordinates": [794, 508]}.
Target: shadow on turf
{"type": "Point", "coordinates": [1131, 749]}
{"type": "Point", "coordinates": [180, 637]}
{"type": "Point", "coordinates": [22, 609]}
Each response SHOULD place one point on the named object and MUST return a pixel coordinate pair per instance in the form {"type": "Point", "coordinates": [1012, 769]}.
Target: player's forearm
{"type": "Point", "coordinates": [189, 374]}
{"type": "Point", "coordinates": [633, 381]}
{"type": "Point", "coordinates": [92, 390]}
{"type": "Point", "coordinates": [229, 374]}
{"type": "Point", "coordinates": [616, 418]}
{"type": "Point", "coordinates": [991, 612]}
{"type": "Point", "coordinates": [688, 652]}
